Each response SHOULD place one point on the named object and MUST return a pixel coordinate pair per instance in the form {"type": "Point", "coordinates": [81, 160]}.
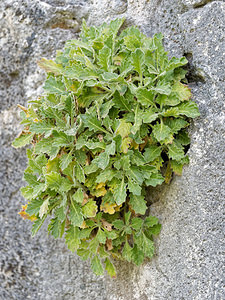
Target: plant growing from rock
{"type": "Point", "coordinates": [111, 122]}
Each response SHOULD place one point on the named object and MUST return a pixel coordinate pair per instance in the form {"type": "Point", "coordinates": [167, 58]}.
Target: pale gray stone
{"type": "Point", "coordinates": [189, 257]}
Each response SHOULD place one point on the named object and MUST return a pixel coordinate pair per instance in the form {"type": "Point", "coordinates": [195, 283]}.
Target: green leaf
{"type": "Point", "coordinates": [104, 58]}
{"type": "Point", "coordinates": [79, 173]}
{"type": "Point", "coordinates": [60, 213]}
{"type": "Point", "coordinates": [79, 72]}
{"type": "Point", "coordinates": [147, 246]}
{"type": "Point", "coordinates": [110, 268]}
{"type": "Point", "coordinates": [45, 128]}
{"type": "Point", "coordinates": [94, 124]}
{"type": "Point", "coordinates": [96, 265]}
{"type": "Point", "coordinates": [53, 180]}
{"type": "Point", "coordinates": [65, 160]}
{"type": "Point", "coordinates": [183, 138]}
{"type": "Point", "coordinates": [137, 256]}
{"type": "Point", "coordinates": [161, 131]}
{"type": "Point", "coordinates": [85, 233]}
{"type": "Point", "coordinates": [171, 100]}
{"type": "Point", "coordinates": [155, 230]}
{"type": "Point", "coordinates": [162, 87]}
{"type": "Point", "coordinates": [177, 166]}
{"type": "Point", "coordinates": [90, 145]}
{"type": "Point", "coordinates": [189, 109]}
{"type": "Point", "coordinates": [176, 151]}
{"type": "Point", "coordinates": [89, 97]}
{"type": "Point", "coordinates": [94, 245]}
{"type": "Point", "coordinates": [171, 112]}
{"type": "Point", "coordinates": [138, 204]}
{"type": "Point", "coordinates": [80, 44]}
{"type": "Point", "coordinates": [90, 209]}
{"type": "Point", "coordinates": [27, 192]}
{"type": "Point", "coordinates": [34, 206]}
{"type": "Point", "coordinates": [101, 237]}
{"type": "Point", "coordinates": [145, 97]}
{"type": "Point", "coordinates": [36, 164]}
{"type": "Point", "coordinates": [122, 162]}
{"type": "Point", "coordinates": [22, 140]}
{"type": "Point", "coordinates": [44, 208]}
{"type": "Point", "coordinates": [105, 175]}
{"type": "Point", "coordinates": [152, 152]}
{"type": "Point", "coordinates": [115, 25]}
{"type": "Point", "coordinates": [136, 223]}
{"type": "Point", "coordinates": [127, 251]}
{"type": "Point", "coordinates": [176, 124]}
{"type": "Point", "coordinates": [175, 63]}
{"type": "Point", "coordinates": [108, 76]}
{"type": "Point", "coordinates": [149, 116]}
{"type": "Point", "coordinates": [150, 221]}
{"type": "Point", "coordinates": [155, 179]}
{"type": "Point", "coordinates": [105, 107]}
{"type": "Point", "coordinates": [83, 253]}
{"type": "Point", "coordinates": [37, 225]}
{"type": "Point", "coordinates": [72, 238]}
{"type": "Point", "coordinates": [55, 227]}
{"type": "Point", "coordinates": [134, 187]}
{"type": "Point", "coordinates": [78, 196]}
{"type": "Point", "coordinates": [50, 66]}
{"type": "Point", "coordinates": [54, 86]}
{"type": "Point", "coordinates": [31, 179]}
{"type": "Point", "coordinates": [121, 102]}
{"type": "Point", "coordinates": [102, 160]}
{"type": "Point", "coordinates": [137, 119]}
{"type": "Point", "coordinates": [182, 91]}
{"type": "Point", "coordinates": [136, 175]}
{"type": "Point", "coordinates": [66, 185]}
{"type": "Point", "coordinates": [137, 61]}
{"type": "Point", "coordinates": [124, 128]}
{"type": "Point", "coordinates": [118, 224]}
{"type": "Point", "coordinates": [61, 139]}
{"type": "Point", "coordinates": [132, 42]}
{"type": "Point", "coordinates": [76, 215]}
{"type": "Point", "coordinates": [89, 169]}
{"type": "Point", "coordinates": [120, 193]}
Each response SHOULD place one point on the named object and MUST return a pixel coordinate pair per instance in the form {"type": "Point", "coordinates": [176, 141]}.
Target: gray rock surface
{"type": "Point", "coordinates": [189, 262]}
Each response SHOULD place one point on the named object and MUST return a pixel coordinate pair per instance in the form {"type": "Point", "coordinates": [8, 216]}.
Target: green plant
{"type": "Point", "coordinates": [112, 121]}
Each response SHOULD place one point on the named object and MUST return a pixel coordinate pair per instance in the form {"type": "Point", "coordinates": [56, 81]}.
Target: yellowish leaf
{"type": "Point", "coordinates": [124, 129]}
{"type": "Point", "coordinates": [52, 165]}
{"type": "Point", "coordinates": [25, 215]}
{"type": "Point", "coordinates": [126, 143]}
{"type": "Point", "coordinates": [108, 208]}
{"type": "Point", "coordinates": [100, 192]}
{"type": "Point", "coordinates": [83, 225]}
{"type": "Point", "coordinates": [100, 185]}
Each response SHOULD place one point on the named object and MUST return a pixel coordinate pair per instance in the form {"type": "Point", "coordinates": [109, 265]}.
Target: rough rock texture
{"type": "Point", "coordinates": [189, 262]}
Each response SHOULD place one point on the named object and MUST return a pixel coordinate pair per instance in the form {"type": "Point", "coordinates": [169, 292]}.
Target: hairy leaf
{"type": "Point", "coordinates": [112, 121]}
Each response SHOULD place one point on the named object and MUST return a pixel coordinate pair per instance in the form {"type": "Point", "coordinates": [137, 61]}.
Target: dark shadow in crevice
{"type": "Point", "coordinates": [202, 3]}
{"type": "Point", "coordinates": [193, 74]}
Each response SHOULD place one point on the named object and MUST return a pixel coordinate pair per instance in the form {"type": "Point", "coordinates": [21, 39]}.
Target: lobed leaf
{"type": "Point", "coordinates": [112, 121]}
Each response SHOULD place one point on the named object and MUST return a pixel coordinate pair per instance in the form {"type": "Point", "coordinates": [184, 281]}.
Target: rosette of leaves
{"type": "Point", "coordinates": [111, 122]}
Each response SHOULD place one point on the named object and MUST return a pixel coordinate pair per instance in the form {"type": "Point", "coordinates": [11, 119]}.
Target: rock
{"type": "Point", "coordinates": [195, 3]}
{"type": "Point", "coordinates": [188, 260]}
